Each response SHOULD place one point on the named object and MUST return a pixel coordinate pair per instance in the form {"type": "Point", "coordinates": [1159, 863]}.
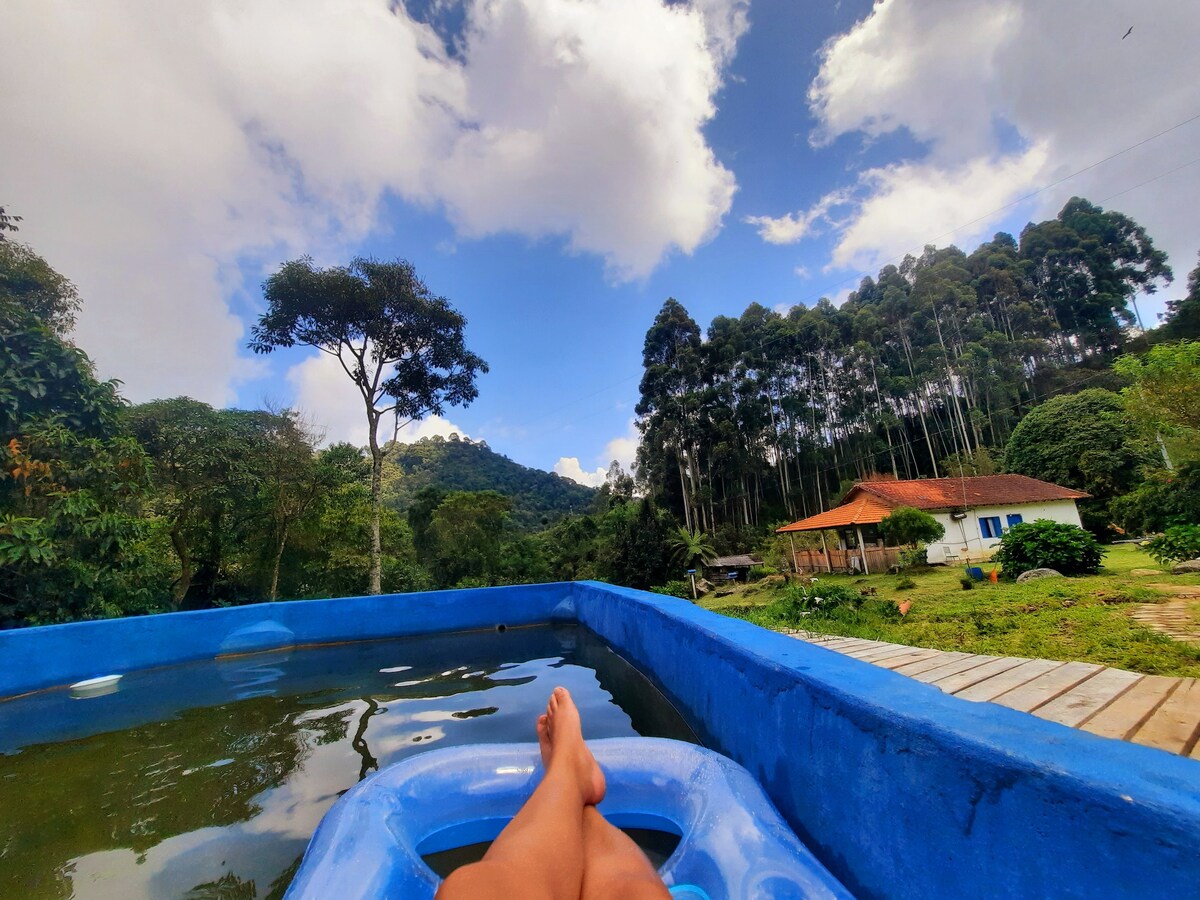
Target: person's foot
{"type": "Point", "coordinates": [560, 738]}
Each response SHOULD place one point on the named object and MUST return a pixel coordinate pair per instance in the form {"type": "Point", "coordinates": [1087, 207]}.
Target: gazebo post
{"type": "Point", "coordinates": [862, 550]}
{"type": "Point", "coordinates": [792, 541]}
{"type": "Point", "coordinates": [825, 547]}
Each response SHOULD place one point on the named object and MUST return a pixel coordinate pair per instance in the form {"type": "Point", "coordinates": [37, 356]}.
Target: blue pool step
{"type": "Point", "coordinates": [733, 843]}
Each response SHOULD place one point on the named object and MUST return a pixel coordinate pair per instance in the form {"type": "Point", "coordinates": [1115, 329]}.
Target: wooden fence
{"type": "Point", "coordinates": [879, 559]}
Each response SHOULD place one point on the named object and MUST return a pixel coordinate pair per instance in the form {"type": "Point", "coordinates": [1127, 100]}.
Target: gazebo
{"type": "Point", "coordinates": [849, 520]}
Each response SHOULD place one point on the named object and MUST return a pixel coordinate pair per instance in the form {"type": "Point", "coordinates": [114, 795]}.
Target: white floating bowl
{"type": "Point", "coordinates": [95, 687]}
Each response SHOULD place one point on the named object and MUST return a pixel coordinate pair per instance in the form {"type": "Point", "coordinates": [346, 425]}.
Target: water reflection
{"type": "Point", "coordinates": [172, 787]}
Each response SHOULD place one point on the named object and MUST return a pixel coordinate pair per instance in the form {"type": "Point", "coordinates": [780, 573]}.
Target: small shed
{"type": "Point", "coordinates": [731, 568]}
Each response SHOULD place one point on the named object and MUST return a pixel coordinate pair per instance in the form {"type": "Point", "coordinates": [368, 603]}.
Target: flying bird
{"type": "Point", "coordinates": [1128, 33]}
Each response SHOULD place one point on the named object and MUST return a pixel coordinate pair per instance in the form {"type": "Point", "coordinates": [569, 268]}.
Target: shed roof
{"type": "Point", "coordinates": [736, 561]}
{"type": "Point", "coordinates": [869, 502]}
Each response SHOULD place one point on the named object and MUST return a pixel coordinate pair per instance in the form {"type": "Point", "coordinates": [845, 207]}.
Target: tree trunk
{"type": "Point", "coordinates": [278, 556]}
{"type": "Point", "coordinates": [376, 585]}
{"type": "Point", "coordinates": [185, 568]}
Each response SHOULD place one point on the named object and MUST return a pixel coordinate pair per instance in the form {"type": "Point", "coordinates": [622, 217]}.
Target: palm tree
{"type": "Point", "coordinates": [688, 547]}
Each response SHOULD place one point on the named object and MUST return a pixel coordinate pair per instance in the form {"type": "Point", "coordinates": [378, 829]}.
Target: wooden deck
{"type": "Point", "coordinates": [1146, 709]}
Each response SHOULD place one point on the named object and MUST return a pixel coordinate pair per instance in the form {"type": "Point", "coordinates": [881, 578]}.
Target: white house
{"type": "Point", "coordinates": [975, 512]}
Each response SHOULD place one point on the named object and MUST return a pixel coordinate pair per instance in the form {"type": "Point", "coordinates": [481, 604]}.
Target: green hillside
{"type": "Point", "coordinates": [464, 465]}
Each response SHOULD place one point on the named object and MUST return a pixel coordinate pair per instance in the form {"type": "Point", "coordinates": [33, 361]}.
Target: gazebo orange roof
{"type": "Point", "coordinates": [864, 509]}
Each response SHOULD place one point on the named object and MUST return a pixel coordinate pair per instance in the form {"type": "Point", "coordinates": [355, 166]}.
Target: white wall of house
{"type": "Point", "coordinates": [965, 538]}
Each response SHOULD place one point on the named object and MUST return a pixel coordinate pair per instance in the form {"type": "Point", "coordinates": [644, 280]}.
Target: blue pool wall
{"type": "Point", "coordinates": [901, 790]}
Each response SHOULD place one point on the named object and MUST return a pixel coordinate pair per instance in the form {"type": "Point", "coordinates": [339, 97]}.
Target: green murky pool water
{"type": "Point", "coordinates": [206, 780]}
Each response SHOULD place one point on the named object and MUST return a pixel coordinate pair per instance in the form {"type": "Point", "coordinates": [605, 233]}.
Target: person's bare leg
{"type": "Point", "coordinates": [613, 865]}
{"type": "Point", "coordinates": [539, 854]}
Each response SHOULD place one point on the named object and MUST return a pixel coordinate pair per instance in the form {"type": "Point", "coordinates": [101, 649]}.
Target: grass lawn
{"type": "Point", "coordinates": [1085, 619]}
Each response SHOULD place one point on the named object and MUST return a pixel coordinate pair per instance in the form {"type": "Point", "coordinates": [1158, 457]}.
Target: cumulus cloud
{"type": "Point", "coordinates": [326, 398]}
{"type": "Point", "coordinates": [622, 449]}
{"type": "Point", "coordinates": [159, 152]}
{"type": "Point", "coordinates": [1004, 97]}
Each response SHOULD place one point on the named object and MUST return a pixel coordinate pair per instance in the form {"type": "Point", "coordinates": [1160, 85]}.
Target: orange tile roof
{"type": "Point", "coordinates": [862, 510]}
{"type": "Point", "coordinates": [869, 502]}
{"type": "Point", "coordinates": [978, 490]}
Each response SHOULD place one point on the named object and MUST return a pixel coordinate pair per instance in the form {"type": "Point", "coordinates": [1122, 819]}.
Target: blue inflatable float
{"type": "Point", "coordinates": [733, 844]}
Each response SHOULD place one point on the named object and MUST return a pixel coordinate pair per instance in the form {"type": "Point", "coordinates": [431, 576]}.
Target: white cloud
{"type": "Point", "coordinates": [801, 272]}
{"type": "Point", "coordinates": [1006, 96]}
{"type": "Point", "coordinates": [163, 150]}
{"type": "Point", "coordinates": [327, 398]}
{"type": "Point", "coordinates": [622, 449]}
{"type": "Point", "coordinates": [909, 204]}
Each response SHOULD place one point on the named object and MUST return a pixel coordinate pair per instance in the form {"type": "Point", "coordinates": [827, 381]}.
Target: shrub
{"type": "Point", "coordinates": [913, 556]}
{"type": "Point", "coordinates": [680, 589]}
{"type": "Point", "coordinates": [906, 525]}
{"type": "Point", "coordinates": [905, 584]}
{"type": "Point", "coordinates": [797, 600]}
{"type": "Point", "coordinates": [967, 582]}
{"type": "Point", "coordinates": [1049, 545]}
{"type": "Point", "coordinates": [757, 572]}
{"type": "Point", "coordinates": [1178, 543]}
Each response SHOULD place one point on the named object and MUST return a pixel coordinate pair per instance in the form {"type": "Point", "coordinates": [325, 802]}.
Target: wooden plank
{"type": "Point", "coordinates": [1006, 681]}
{"type": "Point", "coordinates": [924, 665]}
{"type": "Point", "coordinates": [953, 668]}
{"type": "Point", "coordinates": [952, 684]}
{"type": "Point", "coordinates": [886, 652]}
{"type": "Point", "coordinates": [866, 647]}
{"type": "Point", "coordinates": [844, 642]}
{"type": "Point", "coordinates": [1076, 705]}
{"type": "Point", "coordinates": [1127, 713]}
{"type": "Point", "coordinates": [915, 654]}
{"type": "Point", "coordinates": [1174, 725]}
{"type": "Point", "coordinates": [1042, 690]}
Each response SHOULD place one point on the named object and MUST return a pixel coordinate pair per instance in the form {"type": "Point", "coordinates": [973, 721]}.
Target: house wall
{"type": "Point", "coordinates": [964, 538]}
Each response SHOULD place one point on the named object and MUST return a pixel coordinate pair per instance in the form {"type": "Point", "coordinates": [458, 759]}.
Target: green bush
{"type": "Point", "coordinates": [813, 596]}
{"type": "Point", "coordinates": [1178, 543]}
{"type": "Point", "coordinates": [906, 525]}
{"type": "Point", "coordinates": [757, 572]}
{"type": "Point", "coordinates": [914, 556]}
{"type": "Point", "coordinates": [681, 589]}
{"type": "Point", "coordinates": [1048, 545]}
{"type": "Point", "coordinates": [905, 584]}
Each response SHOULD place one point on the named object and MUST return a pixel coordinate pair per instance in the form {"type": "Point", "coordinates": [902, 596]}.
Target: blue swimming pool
{"type": "Point", "coordinates": [899, 789]}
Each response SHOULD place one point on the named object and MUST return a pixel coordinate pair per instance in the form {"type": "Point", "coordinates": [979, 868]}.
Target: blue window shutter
{"type": "Point", "coordinates": [1014, 519]}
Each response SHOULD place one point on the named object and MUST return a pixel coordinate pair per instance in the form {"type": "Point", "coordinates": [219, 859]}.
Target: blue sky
{"type": "Point", "coordinates": [558, 168]}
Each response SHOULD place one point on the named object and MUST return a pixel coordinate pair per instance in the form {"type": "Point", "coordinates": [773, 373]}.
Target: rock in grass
{"type": "Point", "coordinates": [1191, 567]}
{"type": "Point", "coordinates": [1033, 574]}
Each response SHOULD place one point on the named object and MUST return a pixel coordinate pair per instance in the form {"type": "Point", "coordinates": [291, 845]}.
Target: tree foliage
{"type": "Point", "coordinates": [1084, 441]}
{"type": "Point", "coordinates": [906, 525]}
{"type": "Point", "coordinates": [1043, 544]}
{"type": "Point", "coordinates": [399, 343]}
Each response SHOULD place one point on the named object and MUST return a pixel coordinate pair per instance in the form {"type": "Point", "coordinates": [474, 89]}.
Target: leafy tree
{"type": "Point", "coordinates": [7, 223]}
{"type": "Point", "coordinates": [1084, 441]}
{"type": "Point", "coordinates": [1043, 544]}
{"type": "Point", "coordinates": [28, 282]}
{"type": "Point", "coordinates": [1165, 394]}
{"type": "Point", "coordinates": [73, 543]}
{"type": "Point", "coordinates": [469, 530]}
{"type": "Point", "coordinates": [1164, 499]}
{"type": "Point", "coordinates": [1183, 316]}
{"type": "Point", "coordinates": [634, 537]}
{"type": "Point", "coordinates": [399, 343]}
{"type": "Point", "coordinates": [906, 525]}
{"type": "Point", "coordinates": [691, 547]}
{"type": "Point", "coordinates": [210, 468]}
{"type": "Point", "coordinates": [1178, 543]}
